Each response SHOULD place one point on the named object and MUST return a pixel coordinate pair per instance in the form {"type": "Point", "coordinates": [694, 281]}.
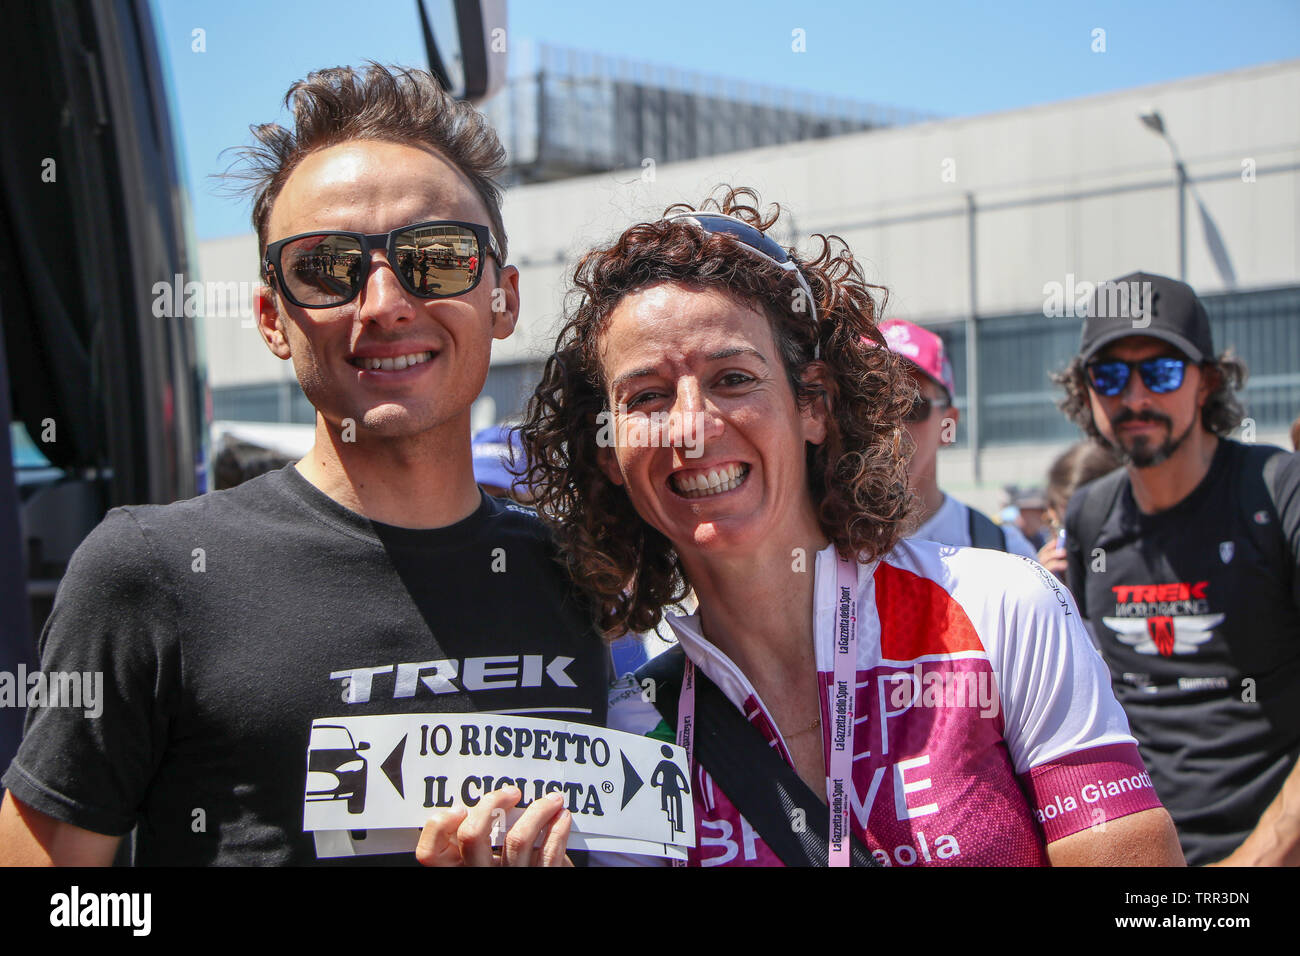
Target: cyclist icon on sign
{"type": "Point", "coordinates": [672, 784]}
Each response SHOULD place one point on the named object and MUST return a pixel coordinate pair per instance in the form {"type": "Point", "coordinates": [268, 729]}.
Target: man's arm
{"type": "Point", "coordinates": [89, 767]}
{"type": "Point", "coordinates": [1275, 841]}
{"type": "Point", "coordinates": [31, 838]}
{"type": "Point", "coordinates": [1147, 838]}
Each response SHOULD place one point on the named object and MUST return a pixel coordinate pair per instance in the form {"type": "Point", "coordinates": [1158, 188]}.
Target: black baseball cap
{"type": "Point", "coordinates": [1141, 303]}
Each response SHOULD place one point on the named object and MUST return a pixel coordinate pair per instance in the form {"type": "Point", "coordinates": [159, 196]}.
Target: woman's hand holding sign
{"type": "Point", "coordinates": [464, 838]}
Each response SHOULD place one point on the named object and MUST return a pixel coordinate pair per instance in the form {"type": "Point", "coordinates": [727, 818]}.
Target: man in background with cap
{"type": "Point", "coordinates": [1031, 512]}
{"type": "Point", "coordinates": [1184, 562]}
{"type": "Point", "coordinates": [931, 423]}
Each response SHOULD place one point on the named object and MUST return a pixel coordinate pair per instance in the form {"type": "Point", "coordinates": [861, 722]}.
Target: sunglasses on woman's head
{"type": "Point", "coordinates": [756, 241]}
{"type": "Point", "coordinates": [1160, 375]}
{"type": "Point", "coordinates": [433, 260]}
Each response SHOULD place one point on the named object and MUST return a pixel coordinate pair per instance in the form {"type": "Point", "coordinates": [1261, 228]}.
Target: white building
{"type": "Point", "coordinates": [970, 223]}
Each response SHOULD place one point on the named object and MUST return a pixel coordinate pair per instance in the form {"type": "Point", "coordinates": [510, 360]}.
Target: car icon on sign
{"type": "Point", "coordinates": [335, 768]}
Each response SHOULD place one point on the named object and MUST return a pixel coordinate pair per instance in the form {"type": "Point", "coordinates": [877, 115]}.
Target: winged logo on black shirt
{"type": "Point", "coordinates": [1165, 635]}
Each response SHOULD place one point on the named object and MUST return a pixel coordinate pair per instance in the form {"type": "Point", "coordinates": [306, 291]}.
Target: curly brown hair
{"type": "Point", "coordinates": [1221, 413]}
{"type": "Point", "coordinates": [857, 477]}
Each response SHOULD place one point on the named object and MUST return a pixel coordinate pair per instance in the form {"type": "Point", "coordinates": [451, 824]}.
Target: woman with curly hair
{"type": "Point", "coordinates": [721, 414]}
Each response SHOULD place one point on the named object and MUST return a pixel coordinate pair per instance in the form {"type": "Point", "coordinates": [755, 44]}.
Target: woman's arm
{"type": "Point", "coordinates": [1147, 838]}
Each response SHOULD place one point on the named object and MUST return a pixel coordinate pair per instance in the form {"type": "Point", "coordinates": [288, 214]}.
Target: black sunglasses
{"type": "Point", "coordinates": [922, 408]}
{"type": "Point", "coordinates": [1160, 375]}
{"type": "Point", "coordinates": [433, 260]}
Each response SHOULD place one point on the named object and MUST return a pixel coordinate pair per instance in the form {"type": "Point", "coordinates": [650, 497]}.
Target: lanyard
{"type": "Point", "coordinates": [842, 696]}
{"type": "Point", "coordinates": [686, 723]}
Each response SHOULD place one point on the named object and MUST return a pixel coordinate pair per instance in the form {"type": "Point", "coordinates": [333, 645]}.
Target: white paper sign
{"type": "Point", "coordinates": [336, 843]}
{"type": "Point", "coordinates": [392, 771]}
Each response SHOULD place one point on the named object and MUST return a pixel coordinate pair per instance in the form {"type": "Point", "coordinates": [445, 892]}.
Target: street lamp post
{"type": "Point", "coordinates": [1182, 219]}
{"type": "Point", "coordinates": [1153, 121]}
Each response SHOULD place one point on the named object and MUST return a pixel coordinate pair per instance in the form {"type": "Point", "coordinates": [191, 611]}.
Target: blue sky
{"type": "Point", "coordinates": [946, 58]}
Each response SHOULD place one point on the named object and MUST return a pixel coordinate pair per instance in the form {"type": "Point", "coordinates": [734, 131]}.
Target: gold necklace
{"type": "Point", "coordinates": [816, 720]}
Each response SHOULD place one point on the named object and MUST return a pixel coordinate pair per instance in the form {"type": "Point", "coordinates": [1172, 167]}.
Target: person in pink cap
{"type": "Point", "coordinates": [931, 423]}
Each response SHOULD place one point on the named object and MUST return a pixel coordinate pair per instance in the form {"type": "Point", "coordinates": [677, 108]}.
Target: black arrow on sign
{"type": "Point", "coordinates": [392, 767]}
{"type": "Point", "coordinates": [632, 781]}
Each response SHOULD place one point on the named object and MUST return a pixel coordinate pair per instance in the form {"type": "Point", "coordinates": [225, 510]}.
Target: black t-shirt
{"type": "Point", "coordinates": [1197, 613]}
{"type": "Point", "coordinates": [225, 624]}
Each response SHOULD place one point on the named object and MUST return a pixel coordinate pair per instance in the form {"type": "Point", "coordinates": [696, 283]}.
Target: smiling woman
{"type": "Point", "coordinates": [721, 415]}
{"type": "Point", "coordinates": [755, 331]}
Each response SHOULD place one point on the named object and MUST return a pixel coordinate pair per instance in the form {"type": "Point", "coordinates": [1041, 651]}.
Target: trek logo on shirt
{"type": "Point", "coordinates": [1164, 619]}
{"type": "Point", "coordinates": [450, 676]}
{"type": "Point", "coordinates": [1166, 600]}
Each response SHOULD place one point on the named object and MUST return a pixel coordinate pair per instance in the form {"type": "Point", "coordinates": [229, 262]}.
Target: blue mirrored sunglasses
{"type": "Point", "coordinates": [758, 242]}
{"type": "Point", "coordinates": [1160, 375]}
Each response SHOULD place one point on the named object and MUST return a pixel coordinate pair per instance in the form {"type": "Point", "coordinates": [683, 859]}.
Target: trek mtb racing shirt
{"type": "Point", "coordinates": [224, 625]}
{"type": "Point", "coordinates": [1196, 610]}
{"type": "Point", "coordinates": [985, 725]}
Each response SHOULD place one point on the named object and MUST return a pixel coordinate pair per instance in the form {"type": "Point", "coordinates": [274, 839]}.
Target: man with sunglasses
{"type": "Point", "coordinates": [932, 424]}
{"type": "Point", "coordinates": [372, 577]}
{"type": "Point", "coordinates": [1184, 562]}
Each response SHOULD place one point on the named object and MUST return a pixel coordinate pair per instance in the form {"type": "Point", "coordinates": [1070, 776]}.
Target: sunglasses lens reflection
{"type": "Point", "coordinates": [1159, 375]}
{"type": "Point", "coordinates": [321, 270]}
{"type": "Point", "coordinates": [434, 262]}
{"type": "Point", "coordinates": [1109, 378]}
{"type": "Point", "coordinates": [439, 261]}
{"type": "Point", "coordinates": [1163, 374]}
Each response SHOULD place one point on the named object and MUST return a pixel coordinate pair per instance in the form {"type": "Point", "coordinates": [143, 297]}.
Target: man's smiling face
{"type": "Point", "coordinates": [373, 187]}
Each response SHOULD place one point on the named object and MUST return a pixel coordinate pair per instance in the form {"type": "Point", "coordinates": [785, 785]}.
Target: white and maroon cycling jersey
{"type": "Point", "coordinates": [985, 724]}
